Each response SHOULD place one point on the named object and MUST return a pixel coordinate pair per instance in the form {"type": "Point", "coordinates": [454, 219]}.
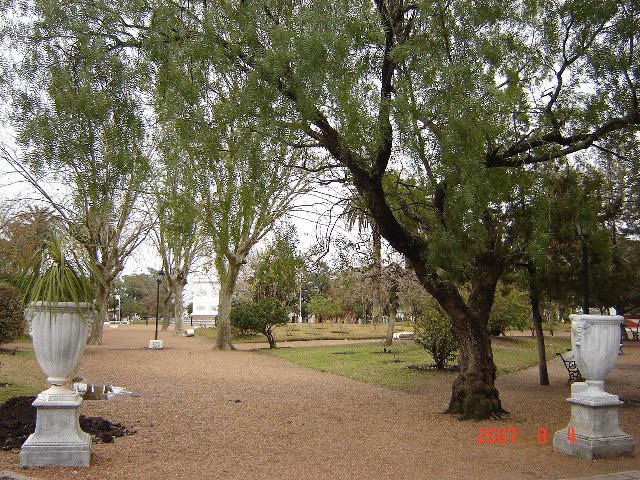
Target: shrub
{"type": "Point", "coordinates": [433, 332]}
{"type": "Point", "coordinates": [12, 322]}
{"type": "Point", "coordinates": [261, 316]}
{"type": "Point", "coordinates": [242, 319]}
{"type": "Point", "coordinates": [511, 311]}
{"type": "Point", "coordinates": [324, 307]}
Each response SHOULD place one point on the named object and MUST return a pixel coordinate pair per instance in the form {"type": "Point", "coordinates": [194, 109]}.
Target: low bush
{"type": "Point", "coordinates": [261, 316]}
{"type": "Point", "coordinates": [511, 311]}
{"type": "Point", "coordinates": [433, 332]}
{"type": "Point", "coordinates": [12, 322]}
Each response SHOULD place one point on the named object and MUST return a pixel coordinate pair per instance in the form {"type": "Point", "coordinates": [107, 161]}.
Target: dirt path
{"type": "Point", "coordinates": [201, 413]}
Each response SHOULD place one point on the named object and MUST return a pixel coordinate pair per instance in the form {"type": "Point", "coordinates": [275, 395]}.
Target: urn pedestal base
{"type": "Point", "coordinates": [595, 429]}
{"type": "Point", "coordinates": [58, 439]}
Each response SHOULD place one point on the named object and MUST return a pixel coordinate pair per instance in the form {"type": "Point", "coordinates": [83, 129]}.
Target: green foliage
{"type": "Point", "coordinates": [59, 273]}
{"type": "Point", "coordinates": [20, 237]}
{"type": "Point", "coordinates": [545, 233]}
{"type": "Point", "coordinates": [511, 311]}
{"type": "Point", "coordinates": [12, 322]}
{"type": "Point", "coordinates": [324, 308]}
{"type": "Point", "coordinates": [137, 295]}
{"type": "Point", "coordinates": [243, 318]}
{"type": "Point", "coordinates": [433, 332]}
{"type": "Point", "coordinates": [260, 316]}
{"type": "Point", "coordinates": [78, 112]}
{"type": "Point", "coordinates": [277, 269]}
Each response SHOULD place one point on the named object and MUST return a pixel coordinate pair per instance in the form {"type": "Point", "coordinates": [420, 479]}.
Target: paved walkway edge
{"type": "Point", "coordinates": [632, 475]}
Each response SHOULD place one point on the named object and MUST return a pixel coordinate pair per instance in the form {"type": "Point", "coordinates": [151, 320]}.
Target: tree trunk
{"type": "Point", "coordinates": [393, 310]}
{"type": "Point", "coordinates": [473, 394]}
{"type": "Point", "coordinates": [227, 287]}
{"type": "Point", "coordinates": [102, 297]}
{"type": "Point", "coordinates": [164, 312]}
{"type": "Point", "coordinates": [179, 303]}
{"type": "Point", "coordinates": [268, 332]}
{"type": "Point", "coordinates": [534, 299]}
{"type": "Point", "coordinates": [166, 318]}
{"type": "Point", "coordinates": [542, 354]}
{"type": "Point", "coordinates": [376, 313]}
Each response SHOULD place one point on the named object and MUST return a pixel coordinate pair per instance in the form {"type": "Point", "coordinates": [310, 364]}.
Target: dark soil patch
{"type": "Point", "coordinates": [630, 402]}
{"type": "Point", "coordinates": [18, 421]}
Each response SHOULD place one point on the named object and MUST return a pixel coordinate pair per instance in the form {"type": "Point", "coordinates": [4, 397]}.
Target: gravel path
{"type": "Point", "coordinates": [201, 413]}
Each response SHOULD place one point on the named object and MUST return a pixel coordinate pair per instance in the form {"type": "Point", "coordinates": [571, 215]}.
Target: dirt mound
{"type": "Point", "coordinates": [18, 421]}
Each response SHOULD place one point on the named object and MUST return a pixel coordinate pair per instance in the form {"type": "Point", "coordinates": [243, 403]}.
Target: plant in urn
{"type": "Point", "coordinates": [60, 315]}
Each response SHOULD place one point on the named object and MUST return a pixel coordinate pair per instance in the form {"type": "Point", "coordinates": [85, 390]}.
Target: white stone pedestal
{"type": "Point", "coordinates": [155, 344]}
{"type": "Point", "coordinates": [595, 428]}
{"type": "Point", "coordinates": [58, 439]}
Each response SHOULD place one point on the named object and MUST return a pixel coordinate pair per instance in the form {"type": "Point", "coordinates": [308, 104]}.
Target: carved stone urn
{"type": "Point", "coordinates": [59, 335]}
{"type": "Point", "coordinates": [594, 430]}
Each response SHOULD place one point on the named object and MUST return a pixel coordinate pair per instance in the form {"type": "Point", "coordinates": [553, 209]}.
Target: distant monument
{"type": "Point", "coordinates": [206, 293]}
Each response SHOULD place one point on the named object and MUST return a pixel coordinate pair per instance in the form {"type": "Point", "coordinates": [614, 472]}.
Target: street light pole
{"type": "Point", "coordinates": [160, 276]}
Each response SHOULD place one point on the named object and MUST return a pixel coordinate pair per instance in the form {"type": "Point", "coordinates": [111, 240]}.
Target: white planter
{"type": "Point", "coordinates": [594, 430]}
{"type": "Point", "coordinates": [59, 336]}
{"type": "Point", "coordinates": [596, 342]}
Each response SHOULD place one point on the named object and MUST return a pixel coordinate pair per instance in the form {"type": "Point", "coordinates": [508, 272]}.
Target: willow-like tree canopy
{"type": "Point", "coordinates": [438, 112]}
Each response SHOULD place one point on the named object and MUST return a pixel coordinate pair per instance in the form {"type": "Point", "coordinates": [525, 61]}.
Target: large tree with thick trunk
{"type": "Point", "coordinates": [435, 111]}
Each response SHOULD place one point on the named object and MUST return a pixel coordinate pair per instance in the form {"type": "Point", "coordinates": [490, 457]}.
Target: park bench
{"type": "Point", "coordinates": [572, 368]}
{"type": "Point", "coordinates": [404, 335]}
{"type": "Point", "coordinates": [632, 324]}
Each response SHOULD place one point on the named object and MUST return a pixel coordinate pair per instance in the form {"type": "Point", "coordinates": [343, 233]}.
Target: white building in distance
{"type": "Point", "coordinates": [206, 293]}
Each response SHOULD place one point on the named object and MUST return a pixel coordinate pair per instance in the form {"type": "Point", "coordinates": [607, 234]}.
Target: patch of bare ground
{"type": "Point", "coordinates": [201, 413]}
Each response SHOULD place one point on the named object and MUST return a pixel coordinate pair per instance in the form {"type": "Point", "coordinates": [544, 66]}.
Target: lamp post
{"type": "Point", "coordinates": [582, 231]}
{"type": "Point", "coordinates": [159, 278]}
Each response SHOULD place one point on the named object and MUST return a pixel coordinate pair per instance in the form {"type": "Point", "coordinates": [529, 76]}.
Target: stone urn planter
{"type": "Point", "coordinates": [60, 316]}
{"type": "Point", "coordinates": [59, 333]}
{"type": "Point", "coordinates": [596, 341]}
{"type": "Point", "coordinates": [59, 336]}
{"type": "Point", "coordinates": [594, 430]}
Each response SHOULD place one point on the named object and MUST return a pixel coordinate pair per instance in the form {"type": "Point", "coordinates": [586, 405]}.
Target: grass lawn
{"type": "Point", "coordinates": [368, 363]}
{"type": "Point", "coordinates": [317, 331]}
{"type": "Point", "coordinates": [19, 373]}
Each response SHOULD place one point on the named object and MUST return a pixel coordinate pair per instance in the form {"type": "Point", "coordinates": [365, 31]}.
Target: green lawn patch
{"type": "Point", "coordinates": [319, 331]}
{"type": "Point", "coordinates": [19, 374]}
{"type": "Point", "coordinates": [363, 362]}
{"type": "Point", "coordinates": [512, 354]}
{"type": "Point", "coordinates": [368, 363]}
